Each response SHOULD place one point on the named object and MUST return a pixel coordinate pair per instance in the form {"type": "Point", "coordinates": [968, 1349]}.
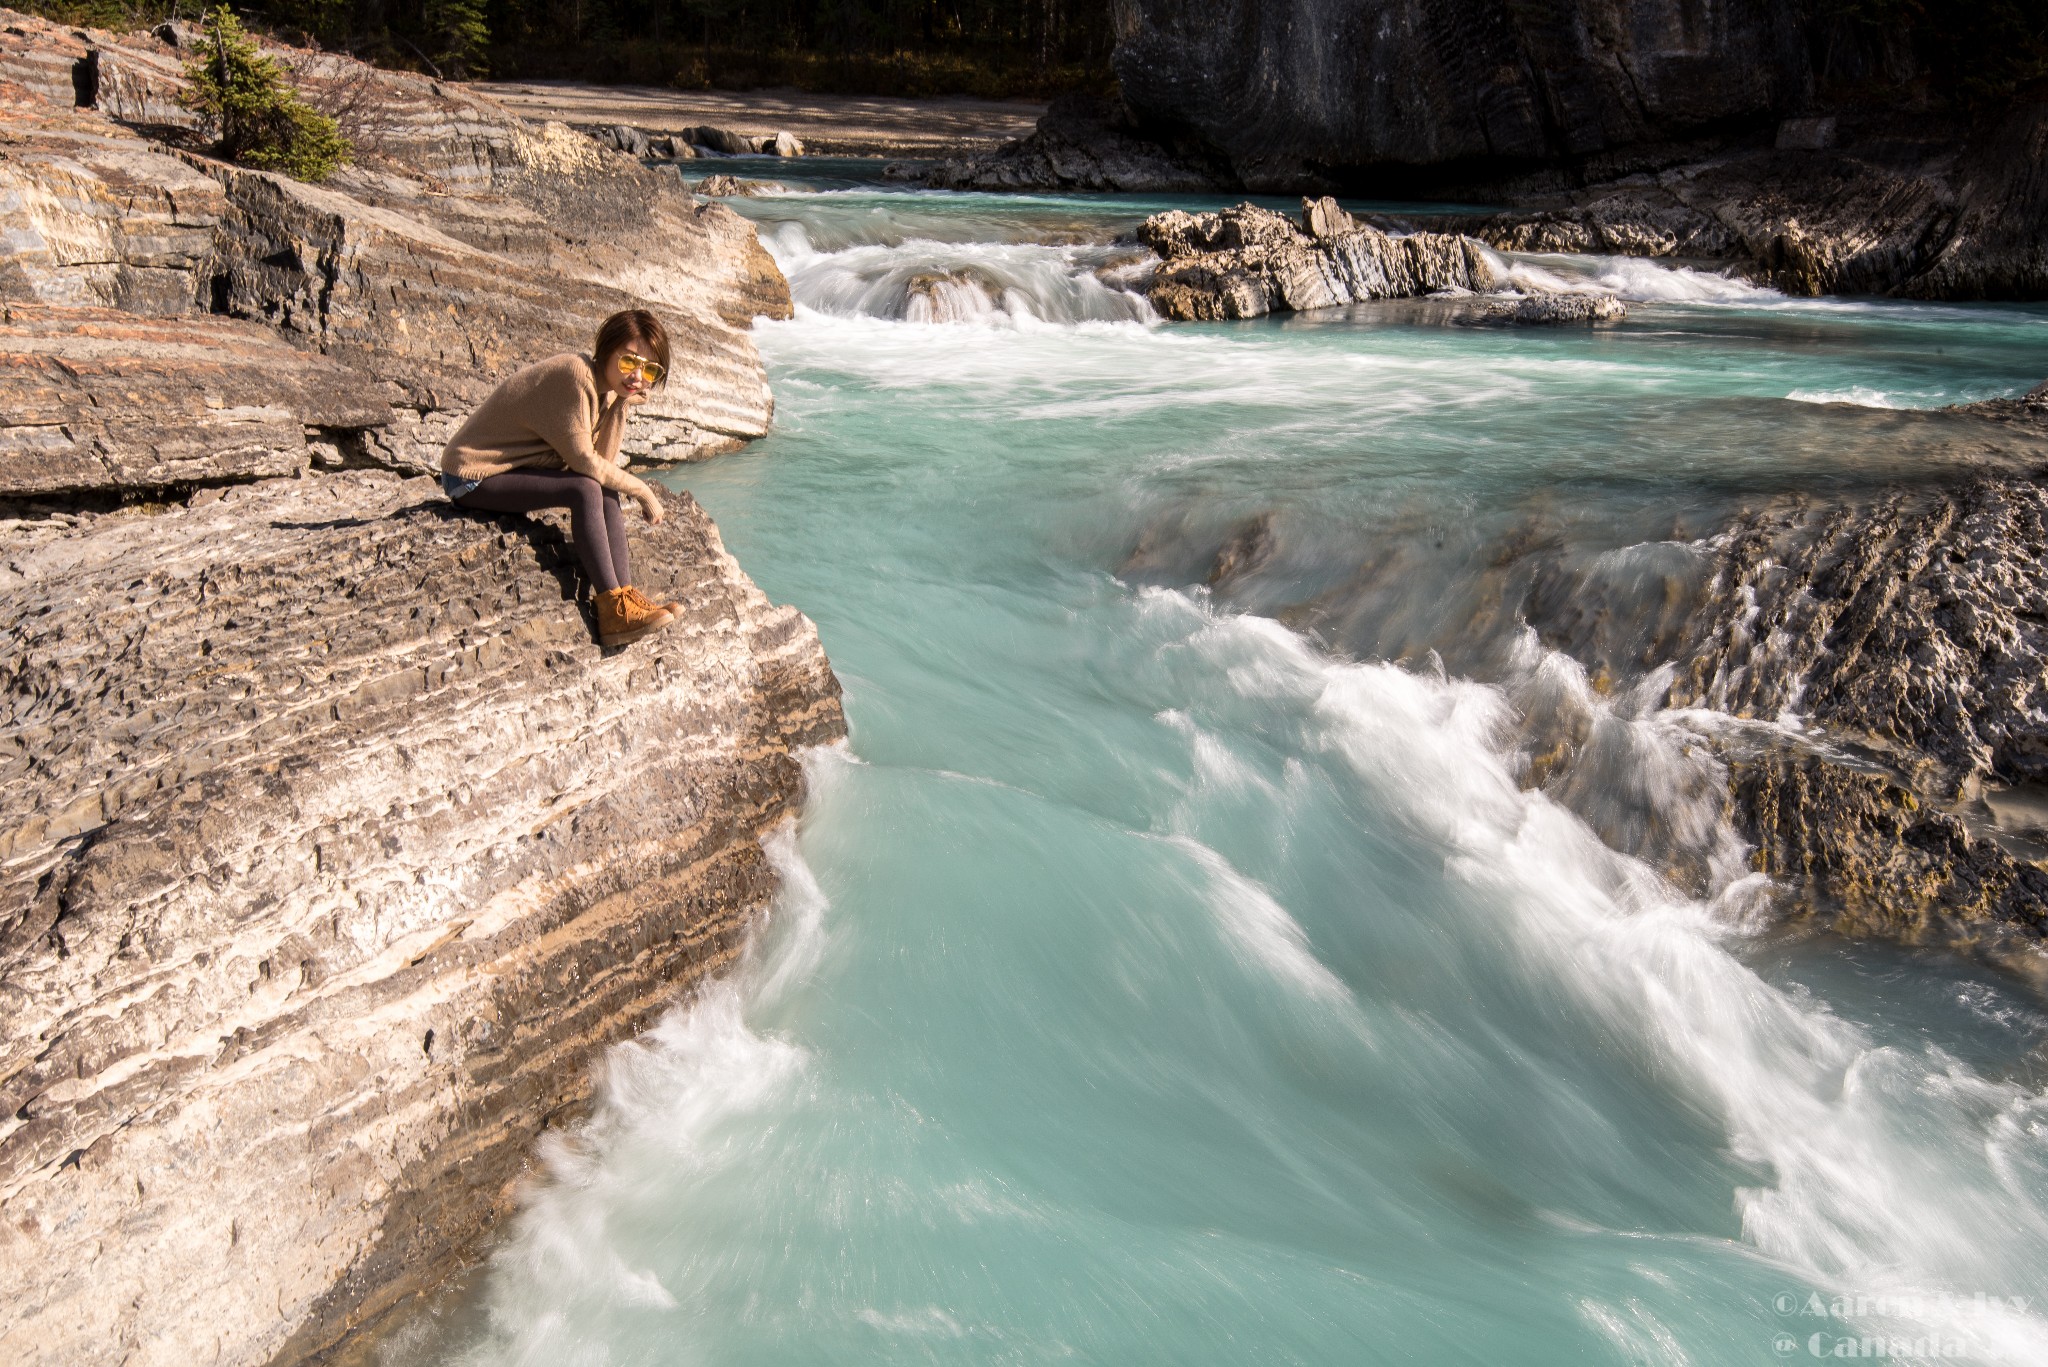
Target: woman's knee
{"type": "Point", "coordinates": [585, 494]}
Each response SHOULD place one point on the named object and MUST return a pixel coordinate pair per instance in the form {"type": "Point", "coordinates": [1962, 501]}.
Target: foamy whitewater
{"type": "Point", "coordinates": [1151, 984]}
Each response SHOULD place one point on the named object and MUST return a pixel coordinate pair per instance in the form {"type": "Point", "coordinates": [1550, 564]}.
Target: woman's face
{"type": "Point", "coordinates": [630, 370]}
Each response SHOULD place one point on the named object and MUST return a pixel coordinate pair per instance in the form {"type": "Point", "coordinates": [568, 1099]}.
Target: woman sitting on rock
{"type": "Point", "coordinates": [548, 437]}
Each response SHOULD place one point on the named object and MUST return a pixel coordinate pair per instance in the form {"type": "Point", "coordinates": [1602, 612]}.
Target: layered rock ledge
{"type": "Point", "coordinates": [334, 849]}
{"type": "Point", "coordinates": [331, 846]}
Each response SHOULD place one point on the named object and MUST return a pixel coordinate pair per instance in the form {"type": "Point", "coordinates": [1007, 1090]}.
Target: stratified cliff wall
{"type": "Point", "coordinates": [1797, 145]}
{"type": "Point", "coordinates": [332, 847]}
{"type": "Point", "coordinates": [1293, 88]}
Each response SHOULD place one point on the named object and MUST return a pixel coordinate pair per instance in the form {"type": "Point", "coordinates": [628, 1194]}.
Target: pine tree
{"type": "Point", "coordinates": [249, 96]}
{"type": "Point", "coordinates": [463, 36]}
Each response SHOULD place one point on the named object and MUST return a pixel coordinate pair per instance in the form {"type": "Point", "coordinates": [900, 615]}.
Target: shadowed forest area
{"type": "Point", "coordinates": [1947, 52]}
{"type": "Point", "coordinates": [989, 48]}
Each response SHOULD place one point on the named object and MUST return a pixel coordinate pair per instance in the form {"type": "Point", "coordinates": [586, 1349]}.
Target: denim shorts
{"type": "Point", "coordinates": [456, 487]}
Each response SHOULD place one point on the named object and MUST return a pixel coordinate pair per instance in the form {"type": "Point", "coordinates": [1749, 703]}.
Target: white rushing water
{"type": "Point", "coordinates": [1151, 983]}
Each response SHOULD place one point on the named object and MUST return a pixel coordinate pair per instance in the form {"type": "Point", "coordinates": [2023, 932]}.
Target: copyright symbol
{"type": "Point", "coordinates": [1784, 1345]}
{"type": "Point", "coordinates": [1785, 1303]}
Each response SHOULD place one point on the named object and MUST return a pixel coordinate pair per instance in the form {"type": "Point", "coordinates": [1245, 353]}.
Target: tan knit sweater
{"type": "Point", "coordinates": [547, 415]}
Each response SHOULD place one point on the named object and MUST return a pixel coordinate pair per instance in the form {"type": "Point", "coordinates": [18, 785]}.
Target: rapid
{"type": "Point", "coordinates": [1165, 974]}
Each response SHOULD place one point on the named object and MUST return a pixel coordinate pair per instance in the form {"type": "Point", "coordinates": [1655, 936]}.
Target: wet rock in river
{"type": "Point", "coordinates": [1898, 627]}
{"type": "Point", "coordinates": [1552, 308]}
{"type": "Point", "coordinates": [1247, 261]}
{"type": "Point", "coordinates": [723, 186]}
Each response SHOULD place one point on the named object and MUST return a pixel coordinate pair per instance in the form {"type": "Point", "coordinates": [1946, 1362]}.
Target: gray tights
{"type": "Point", "coordinates": [596, 521]}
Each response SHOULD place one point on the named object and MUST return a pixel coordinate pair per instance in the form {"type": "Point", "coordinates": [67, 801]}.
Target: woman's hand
{"type": "Point", "coordinates": [650, 503]}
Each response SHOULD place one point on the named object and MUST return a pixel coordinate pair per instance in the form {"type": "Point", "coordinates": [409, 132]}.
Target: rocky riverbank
{"type": "Point", "coordinates": [1797, 148]}
{"type": "Point", "coordinates": [333, 847]}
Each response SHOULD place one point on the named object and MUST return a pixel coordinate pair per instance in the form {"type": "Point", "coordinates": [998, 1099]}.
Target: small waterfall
{"type": "Point", "coordinates": [991, 284]}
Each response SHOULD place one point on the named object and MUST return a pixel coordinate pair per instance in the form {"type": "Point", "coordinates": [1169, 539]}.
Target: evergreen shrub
{"type": "Point", "coordinates": [263, 122]}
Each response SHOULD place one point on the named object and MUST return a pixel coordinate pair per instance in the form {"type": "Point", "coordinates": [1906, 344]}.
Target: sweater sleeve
{"type": "Point", "coordinates": [564, 415]}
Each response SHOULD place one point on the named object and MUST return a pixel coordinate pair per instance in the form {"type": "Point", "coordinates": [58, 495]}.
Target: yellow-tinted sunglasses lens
{"type": "Point", "coordinates": [650, 372]}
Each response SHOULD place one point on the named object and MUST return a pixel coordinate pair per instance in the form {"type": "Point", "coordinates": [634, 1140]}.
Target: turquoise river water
{"type": "Point", "coordinates": [1152, 984]}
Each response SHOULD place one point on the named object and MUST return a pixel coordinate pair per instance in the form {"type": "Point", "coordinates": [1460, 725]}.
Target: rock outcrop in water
{"type": "Point", "coordinates": [1906, 628]}
{"type": "Point", "coordinates": [1248, 261]}
{"type": "Point", "coordinates": [1899, 213]}
{"type": "Point", "coordinates": [1867, 669]}
{"type": "Point", "coordinates": [332, 847]}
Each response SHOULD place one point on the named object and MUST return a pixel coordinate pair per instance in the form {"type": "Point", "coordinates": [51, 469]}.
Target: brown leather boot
{"type": "Point", "coordinates": [674, 610]}
{"type": "Point", "coordinates": [621, 619]}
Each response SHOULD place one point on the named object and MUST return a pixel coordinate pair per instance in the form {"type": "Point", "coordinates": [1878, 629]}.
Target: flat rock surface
{"type": "Point", "coordinates": [332, 847]}
{"type": "Point", "coordinates": [838, 125]}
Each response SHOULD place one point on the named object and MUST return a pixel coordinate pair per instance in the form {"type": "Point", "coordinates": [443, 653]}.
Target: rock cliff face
{"type": "Point", "coordinates": [1288, 89]}
{"type": "Point", "coordinates": [1644, 127]}
{"type": "Point", "coordinates": [334, 849]}
{"type": "Point", "coordinates": [331, 847]}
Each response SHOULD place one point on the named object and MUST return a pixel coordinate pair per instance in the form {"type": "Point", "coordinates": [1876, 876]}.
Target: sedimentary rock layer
{"type": "Point", "coordinates": [104, 402]}
{"type": "Point", "coordinates": [1930, 219]}
{"type": "Point", "coordinates": [333, 848]}
{"type": "Point", "coordinates": [464, 242]}
{"type": "Point", "coordinates": [330, 845]}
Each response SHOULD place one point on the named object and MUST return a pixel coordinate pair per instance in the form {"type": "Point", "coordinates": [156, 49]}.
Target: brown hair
{"type": "Point", "coordinates": [628, 327]}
